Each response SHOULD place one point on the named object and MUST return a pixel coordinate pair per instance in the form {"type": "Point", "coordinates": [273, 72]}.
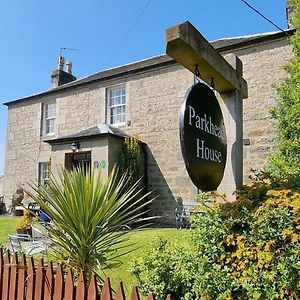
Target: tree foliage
{"type": "Point", "coordinates": [286, 162]}
{"type": "Point", "coordinates": [130, 159]}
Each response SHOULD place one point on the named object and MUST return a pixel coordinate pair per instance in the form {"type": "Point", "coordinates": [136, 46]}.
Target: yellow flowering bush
{"type": "Point", "coordinates": [261, 247]}
{"type": "Point", "coordinates": [247, 249]}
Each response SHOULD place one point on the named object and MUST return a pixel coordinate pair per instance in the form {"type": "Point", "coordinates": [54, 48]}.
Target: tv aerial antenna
{"type": "Point", "coordinates": [66, 49]}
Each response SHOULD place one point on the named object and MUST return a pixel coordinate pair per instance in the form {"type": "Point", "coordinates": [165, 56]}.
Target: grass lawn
{"type": "Point", "coordinates": [142, 240]}
{"type": "Point", "coordinates": [139, 241]}
{"type": "Point", "coordinates": [7, 226]}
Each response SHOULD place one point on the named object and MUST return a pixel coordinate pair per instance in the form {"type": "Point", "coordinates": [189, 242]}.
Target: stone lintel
{"type": "Point", "coordinates": [187, 46]}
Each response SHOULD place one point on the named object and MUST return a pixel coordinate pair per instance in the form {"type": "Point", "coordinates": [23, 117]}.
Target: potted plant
{"type": "Point", "coordinates": [24, 223]}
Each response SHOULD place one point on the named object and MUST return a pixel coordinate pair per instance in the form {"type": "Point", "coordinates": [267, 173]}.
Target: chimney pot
{"type": "Point", "coordinates": [69, 67]}
{"type": "Point", "coordinates": [61, 63]}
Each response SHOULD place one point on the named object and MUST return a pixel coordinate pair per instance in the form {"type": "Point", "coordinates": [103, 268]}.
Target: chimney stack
{"type": "Point", "coordinates": [59, 76]}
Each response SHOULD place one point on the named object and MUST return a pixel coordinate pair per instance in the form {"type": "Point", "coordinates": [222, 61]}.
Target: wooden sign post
{"type": "Point", "coordinates": [189, 48]}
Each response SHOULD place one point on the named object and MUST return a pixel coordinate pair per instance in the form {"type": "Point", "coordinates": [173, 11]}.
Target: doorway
{"type": "Point", "coordinates": [75, 160]}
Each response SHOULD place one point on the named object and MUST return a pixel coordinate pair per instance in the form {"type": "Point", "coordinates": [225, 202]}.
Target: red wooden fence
{"type": "Point", "coordinates": [20, 280]}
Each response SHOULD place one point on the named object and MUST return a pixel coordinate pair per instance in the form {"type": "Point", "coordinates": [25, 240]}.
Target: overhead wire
{"type": "Point", "coordinates": [264, 17]}
{"type": "Point", "coordinates": [148, 3]}
{"type": "Point", "coordinates": [129, 31]}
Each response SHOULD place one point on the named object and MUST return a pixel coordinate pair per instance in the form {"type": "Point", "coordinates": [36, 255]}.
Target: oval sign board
{"type": "Point", "coordinates": [203, 137]}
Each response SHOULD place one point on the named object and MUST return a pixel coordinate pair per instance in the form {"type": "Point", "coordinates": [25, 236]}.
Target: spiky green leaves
{"type": "Point", "coordinates": [88, 212]}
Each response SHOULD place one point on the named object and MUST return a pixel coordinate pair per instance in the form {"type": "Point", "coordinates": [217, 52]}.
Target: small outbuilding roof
{"type": "Point", "coordinates": [99, 130]}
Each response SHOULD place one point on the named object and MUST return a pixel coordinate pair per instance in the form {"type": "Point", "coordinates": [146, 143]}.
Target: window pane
{"type": "Point", "coordinates": [49, 118]}
{"type": "Point", "coordinates": [117, 105]}
{"type": "Point", "coordinates": [50, 110]}
{"type": "Point", "coordinates": [43, 173]}
{"type": "Point", "coordinates": [49, 128]}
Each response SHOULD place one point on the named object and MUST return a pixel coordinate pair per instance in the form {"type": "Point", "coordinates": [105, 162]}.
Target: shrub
{"type": "Point", "coordinates": [26, 220]}
{"type": "Point", "coordinates": [285, 163]}
{"type": "Point", "coordinates": [248, 249]}
{"type": "Point", "coordinates": [166, 268]}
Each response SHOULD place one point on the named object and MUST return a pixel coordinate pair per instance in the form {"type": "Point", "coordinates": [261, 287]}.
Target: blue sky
{"type": "Point", "coordinates": [33, 31]}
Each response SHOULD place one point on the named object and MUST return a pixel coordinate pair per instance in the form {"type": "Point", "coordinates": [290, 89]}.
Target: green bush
{"type": "Point", "coordinates": [166, 268]}
{"type": "Point", "coordinates": [248, 249]}
{"type": "Point", "coordinates": [285, 163]}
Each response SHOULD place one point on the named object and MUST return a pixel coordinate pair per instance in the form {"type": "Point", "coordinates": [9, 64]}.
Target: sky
{"type": "Point", "coordinates": [106, 33]}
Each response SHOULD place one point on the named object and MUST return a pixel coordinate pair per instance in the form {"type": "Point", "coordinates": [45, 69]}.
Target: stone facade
{"type": "Point", "coordinates": [263, 70]}
{"type": "Point", "coordinates": [1, 185]}
{"type": "Point", "coordinates": [154, 96]}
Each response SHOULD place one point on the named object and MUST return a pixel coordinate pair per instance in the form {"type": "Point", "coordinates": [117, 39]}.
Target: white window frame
{"type": "Point", "coordinates": [43, 173]}
{"type": "Point", "coordinates": [109, 97]}
{"type": "Point", "coordinates": [47, 119]}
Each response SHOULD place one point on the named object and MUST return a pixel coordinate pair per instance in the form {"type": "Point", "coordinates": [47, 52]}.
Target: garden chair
{"type": "Point", "coordinates": [30, 247]}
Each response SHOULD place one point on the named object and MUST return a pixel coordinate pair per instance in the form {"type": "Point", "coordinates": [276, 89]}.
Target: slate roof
{"type": "Point", "coordinates": [222, 45]}
{"type": "Point", "coordinates": [99, 130]}
{"type": "Point", "coordinates": [233, 43]}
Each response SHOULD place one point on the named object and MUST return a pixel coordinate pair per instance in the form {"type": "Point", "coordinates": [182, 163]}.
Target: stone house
{"type": "Point", "coordinates": [84, 121]}
{"type": "Point", "coordinates": [1, 185]}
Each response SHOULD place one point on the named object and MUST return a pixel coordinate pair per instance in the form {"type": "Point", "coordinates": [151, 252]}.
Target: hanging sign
{"type": "Point", "coordinates": [203, 137]}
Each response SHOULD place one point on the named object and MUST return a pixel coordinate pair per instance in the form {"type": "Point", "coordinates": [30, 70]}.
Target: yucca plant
{"type": "Point", "coordinates": [88, 213]}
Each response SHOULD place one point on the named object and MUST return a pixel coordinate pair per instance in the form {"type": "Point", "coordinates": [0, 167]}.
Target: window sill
{"type": "Point", "coordinates": [118, 124]}
{"type": "Point", "coordinates": [48, 136]}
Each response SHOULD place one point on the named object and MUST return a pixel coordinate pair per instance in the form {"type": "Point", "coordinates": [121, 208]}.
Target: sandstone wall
{"type": "Point", "coordinates": [1, 184]}
{"type": "Point", "coordinates": [154, 98]}
{"type": "Point", "coordinates": [263, 69]}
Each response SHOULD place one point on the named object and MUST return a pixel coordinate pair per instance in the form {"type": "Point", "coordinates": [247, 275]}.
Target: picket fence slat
{"type": "Point", "coordinates": [49, 282]}
{"type": "Point", "coordinates": [135, 294]}
{"type": "Point", "coordinates": [21, 280]}
{"type": "Point", "coordinates": [106, 290]}
{"type": "Point", "coordinates": [30, 287]}
{"type": "Point", "coordinates": [22, 277]}
{"type": "Point", "coordinates": [69, 287]}
{"type": "Point", "coordinates": [59, 284]}
{"type": "Point", "coordinates": [120, 294]}
{"type": "Point", "coordinates": [1, 271]}
{"type": "Point", "coordinates": [6, 277]}
{"type": "Point", "coordinates": [13, 278]}
{"type": "Point", "coordinates": [150, 297]}
{"type": "Point", "coordinates": [92, 290]}
{"type": "Point", "coordinates": [39, 283]}
{"type": "Point", "coordinates": [80, 289]}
